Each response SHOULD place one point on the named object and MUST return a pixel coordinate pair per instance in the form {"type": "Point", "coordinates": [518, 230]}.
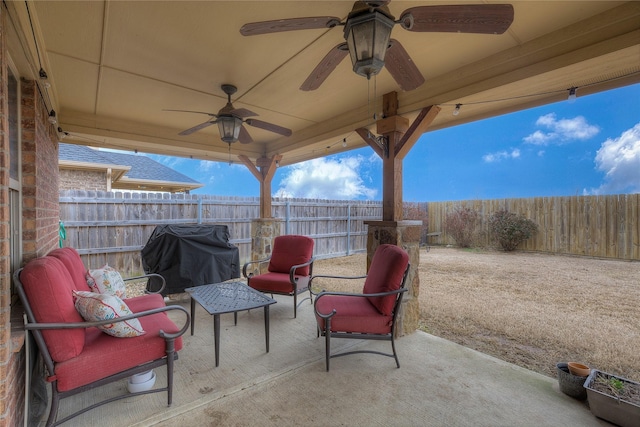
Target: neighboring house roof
{"type": "Point", "coordinates": [128, 171]}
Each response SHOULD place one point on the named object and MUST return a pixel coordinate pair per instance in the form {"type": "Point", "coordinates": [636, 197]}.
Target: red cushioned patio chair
{"type": "Point", "coordinates": [290, 268]}
{"type": "Point", "coordinates": [77, 355]}
{"type": "Point", "coordinates": [368, 315]}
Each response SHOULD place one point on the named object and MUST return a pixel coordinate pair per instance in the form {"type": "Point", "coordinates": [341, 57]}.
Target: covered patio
{"type": "Point", "coordinates": [104, 74]}
{"type": "Point", "coordinates": [439, 383]}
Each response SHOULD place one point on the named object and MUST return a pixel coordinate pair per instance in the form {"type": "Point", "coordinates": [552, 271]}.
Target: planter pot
{"type": "Point", "coordinates": [579, 369]}
{"type": "Point", "coordinates": [571, 385]}
{"type": "Point", "coordinates": [608, 407]}
{"type": "Point", "coordinates": [141, 382]}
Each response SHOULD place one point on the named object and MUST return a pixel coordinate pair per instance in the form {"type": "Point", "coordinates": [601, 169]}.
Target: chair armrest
{"type": "Point", "coordinates": [84, 325]}
{"type": "Point", "coordinates": [321, 276]}
{"type": "Point", "coordinates": [292, 271]}
{"type": "Point", "coordinates": [351, 294]}
{"type": "Point", "coordinates": [148, 277]}
{"type": "Point", "coordinates": [246, 266]}
{"type": "Point", "coordinates": [337, 277]}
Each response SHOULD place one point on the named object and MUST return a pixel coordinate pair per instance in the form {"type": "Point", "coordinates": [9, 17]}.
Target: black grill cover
{"type": "Point", "coordinates": [191, 255]}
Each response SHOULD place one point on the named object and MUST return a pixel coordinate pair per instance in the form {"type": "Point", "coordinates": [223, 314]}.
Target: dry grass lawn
{"type": "Point", "coordinates": [533, 310]}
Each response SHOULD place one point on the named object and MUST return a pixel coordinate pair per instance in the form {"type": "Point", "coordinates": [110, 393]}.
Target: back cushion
{"type": "Point", "coordinates": [72, 261]}
{"type": "Point", "coordinates": [291, 250]}
{"type": "Point", "coordinates": [385, 274]}
{"type": "Point", "coordinates": [49, 289]}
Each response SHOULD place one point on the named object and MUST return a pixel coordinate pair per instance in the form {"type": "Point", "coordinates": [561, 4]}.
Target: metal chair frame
{"type": "Point", "coordinates": [36, 328]}
{"type": "Point", "coordinates": [328, 334]}
{"type": "Point", "coordinates": [296, 287]}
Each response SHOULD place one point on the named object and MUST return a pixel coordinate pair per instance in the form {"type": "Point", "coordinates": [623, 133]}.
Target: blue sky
{"type": "Point", "coordinates": [587, 147]}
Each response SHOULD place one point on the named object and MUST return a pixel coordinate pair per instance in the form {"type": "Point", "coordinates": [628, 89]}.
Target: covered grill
{"type": "Point", "coordinates": [191, 255]}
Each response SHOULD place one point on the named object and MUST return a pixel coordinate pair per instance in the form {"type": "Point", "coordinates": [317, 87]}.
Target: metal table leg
{"type": "Point", "coordinates": [266, 325]}
{"type": "Point", "coordinates": [193, 318]}
{"type": "Point", "coordinates": [216, 336]}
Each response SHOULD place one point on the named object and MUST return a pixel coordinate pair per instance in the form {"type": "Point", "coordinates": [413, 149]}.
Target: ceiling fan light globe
{"type": "Point", "coordinates": [229, 127]}
{"type": "Point", "coordinates": [367, 37]}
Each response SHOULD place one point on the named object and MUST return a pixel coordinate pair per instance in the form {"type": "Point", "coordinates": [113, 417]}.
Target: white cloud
{"type": "Point", "coordinates": [539, 138]}
{"type": "Point", "coordinates": [619, 158]}
{"type": "Point", "coordinates": [323, 178]}
{"type": "Point", "coordinates": [561, 131]}
{"type": "Point", "coordinates": [207, 166]}
{"type": "Point", "coordinates": [501, 155]}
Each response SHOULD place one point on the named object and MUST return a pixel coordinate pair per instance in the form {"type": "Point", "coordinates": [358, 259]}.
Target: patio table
{"type": "Point", "coordinates": [228, 297]}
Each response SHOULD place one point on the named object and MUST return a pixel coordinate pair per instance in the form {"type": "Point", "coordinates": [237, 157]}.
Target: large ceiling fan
{"type": "Point", "coordinates": [367, 31]}
{"type": "Point", "coordinates": [230, 121]}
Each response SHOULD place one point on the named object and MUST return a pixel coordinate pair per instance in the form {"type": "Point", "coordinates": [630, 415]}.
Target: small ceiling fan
{"type": "Point", "coordinates": [367, 31]}
{"type": "Point", "coordinates": [230, 121]}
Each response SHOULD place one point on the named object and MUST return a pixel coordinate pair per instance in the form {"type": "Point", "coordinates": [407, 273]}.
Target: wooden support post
{"type": "Point", "coordinates": [267, 169]}
{"type": "Point", "coordinates": [397, 140]}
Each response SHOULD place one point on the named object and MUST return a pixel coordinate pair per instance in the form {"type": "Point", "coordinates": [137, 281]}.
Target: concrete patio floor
{"type": "Point", "coordinates": [439, 383]}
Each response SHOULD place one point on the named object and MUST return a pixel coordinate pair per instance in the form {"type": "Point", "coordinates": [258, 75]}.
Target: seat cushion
{"type": "Point", "coordinates": [145, 302]}
{"type": "Point", "coordinates": [72, 261]}
{"type": "Point", "coordinates": [48, 287]}
{"type": "Point", "coordinates": [353, 314]}
{"type": "Point", "coordinates": [290, 250]}
{"type": "Point", "coordinates": [104, 355]}
{"type": "Point", "coordinates": [385, 274]}
{"type": "Point", "coordinates": [272, 282]}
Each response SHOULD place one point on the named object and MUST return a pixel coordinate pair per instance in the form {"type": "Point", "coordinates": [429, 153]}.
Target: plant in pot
{"type": "Point", "coordinates": [613, 398]}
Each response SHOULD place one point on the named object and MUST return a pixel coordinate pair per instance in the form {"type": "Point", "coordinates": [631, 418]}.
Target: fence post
{"type": "Point", "coordinates": [199, 210]}
{"type": "Point", "coordinates": [349, 229]}
{"type": "Point", "coordinates": [287, 216]}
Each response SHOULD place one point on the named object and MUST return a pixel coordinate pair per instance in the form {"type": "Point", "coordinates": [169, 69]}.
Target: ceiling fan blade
{"type": "Point", "coordinates": [242, 113]}
{"type": "Point", "coordinates": [198, 112]}
{"type": "Point", "coordinates": [402, 68]}
{"type": "Point", "coordinates": [470, 18]}
{"type": "Point", "coordinates": [292, 24]}
{"type": "Point", "coordinates": [244, 136]}
{"type": "Point", "coordinates": [269, 126]}
{"type": "Point", "coordinates": [325, 67]}
{"type": "Point", "coordinates": [197, 128]}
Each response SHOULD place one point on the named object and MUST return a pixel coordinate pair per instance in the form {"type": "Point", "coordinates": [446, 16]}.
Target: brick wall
{"type": "Point", "coordinates": [83, 180]}
{"type": "Point", "coordinates": [9, 371]}
{"type": "Point", "coordinates": [41, 213]}
{"type": "Point", "coordinates": [40, 224]}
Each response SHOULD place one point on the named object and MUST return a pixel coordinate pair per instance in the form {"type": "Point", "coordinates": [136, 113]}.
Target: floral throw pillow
{"type": "Point", "coordinates": [106, 280]}
{"type": "Point", "coordinates": [94, 307]}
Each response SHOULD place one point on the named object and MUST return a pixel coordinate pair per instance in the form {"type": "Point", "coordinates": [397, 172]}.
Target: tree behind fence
{"type": "Point", "coordinates": [112, 227]}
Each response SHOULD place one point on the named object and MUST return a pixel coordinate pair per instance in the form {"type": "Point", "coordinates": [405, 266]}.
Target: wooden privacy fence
{"type": "Point", "coordinates": [112, 227]}
{"type": "Point", "coordinates": [596, 226]}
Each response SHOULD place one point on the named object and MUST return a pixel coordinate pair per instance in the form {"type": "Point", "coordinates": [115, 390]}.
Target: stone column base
{"type": "Point", "coordinates": [263, 231]}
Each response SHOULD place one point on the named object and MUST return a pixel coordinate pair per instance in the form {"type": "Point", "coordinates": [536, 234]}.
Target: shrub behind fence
{"type": "Point", "coordinates": [596, 226]}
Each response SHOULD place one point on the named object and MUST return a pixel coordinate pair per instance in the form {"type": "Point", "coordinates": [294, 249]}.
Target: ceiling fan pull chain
{"type": "Point", "coordinates": [375, 96]}
{"type": "Point", "coordinates": [368, 100]}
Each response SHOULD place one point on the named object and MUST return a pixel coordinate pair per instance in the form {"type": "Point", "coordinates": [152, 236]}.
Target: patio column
{"type": "Point", "coordinates": [396, 140]}
{"type": "Point", "coordinates": [265, 228]}
{"type": "Point", "coordinates": [264, 175]}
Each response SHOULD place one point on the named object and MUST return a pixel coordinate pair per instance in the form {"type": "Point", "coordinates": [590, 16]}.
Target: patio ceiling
{"type": "Point", "coordinates": [114, 66]}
